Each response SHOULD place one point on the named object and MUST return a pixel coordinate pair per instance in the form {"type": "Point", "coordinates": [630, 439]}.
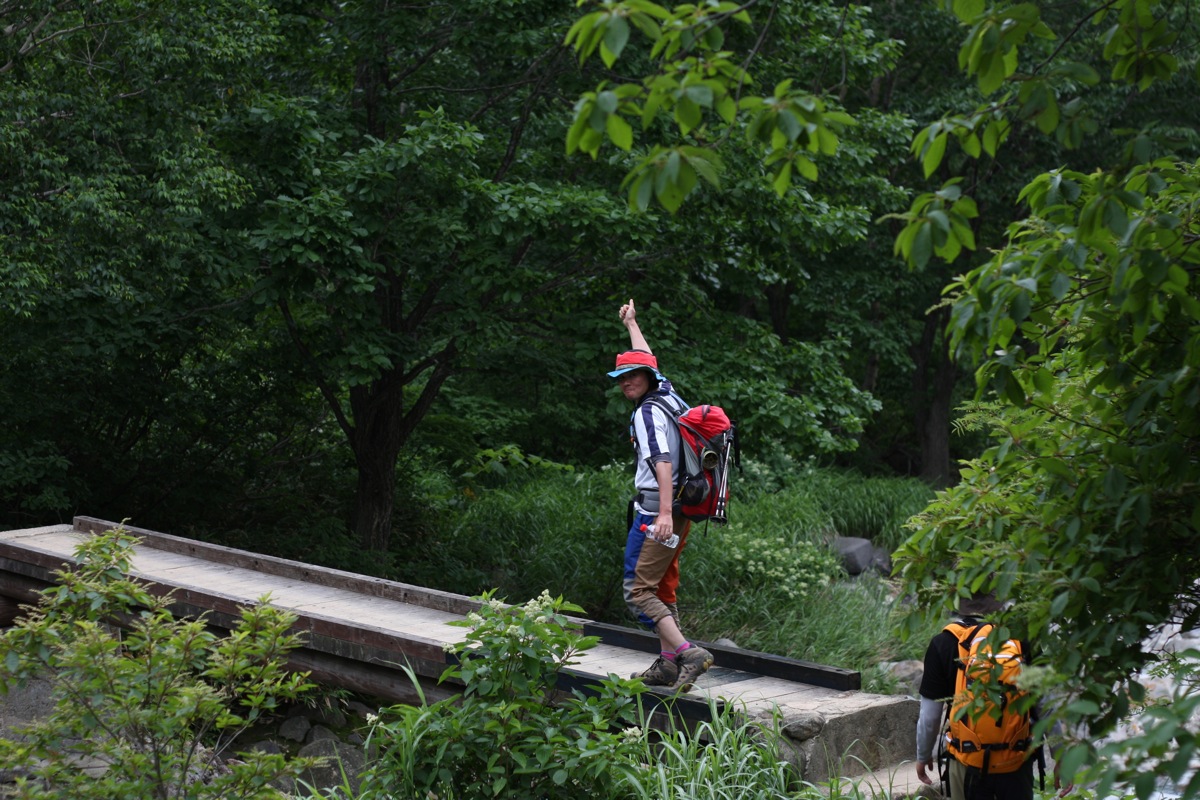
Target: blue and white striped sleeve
{"type": "Point", "coordinates": [653, 433]}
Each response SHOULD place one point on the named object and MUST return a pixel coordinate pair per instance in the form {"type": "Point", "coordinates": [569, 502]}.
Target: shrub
{"type": "Point", "coordinates": [513, 733]}
{"type": "Point", "coordinates": [776, 567]}
{"type": "Point", "coordinates": [156, 704]}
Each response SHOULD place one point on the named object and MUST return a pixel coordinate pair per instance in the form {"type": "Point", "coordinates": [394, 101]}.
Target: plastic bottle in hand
{"type": "Point", "coordinates": [672, 542]}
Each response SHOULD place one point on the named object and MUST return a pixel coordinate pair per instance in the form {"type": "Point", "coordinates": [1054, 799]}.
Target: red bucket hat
{"type": "Point", "coordinates": [635, 359]}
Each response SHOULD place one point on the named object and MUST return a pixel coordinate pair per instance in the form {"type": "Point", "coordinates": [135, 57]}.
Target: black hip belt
{"type": "Point", "coordinates": [971, 747]}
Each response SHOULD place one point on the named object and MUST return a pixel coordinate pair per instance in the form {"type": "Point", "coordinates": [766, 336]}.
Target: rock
{"type": "Point", "coordinates": [342, 765]}
{"type": "Point", "coordinates": [295, 728]}
{"type": "Point", "coordinates": [265, 746]}
{"type": "Point", "coordinates": [856, 553]}
{"type": "Point", "coordinates": [881, 560]}
{"type": "Point", "coordinates": [879, 731]}
{"type": "Point", "coordinates": [907, 674]}
{"type": "Point", "coordinates": [360, 709]}
{"type": "Point", "coordinates": [23, 705]}
{"type": "Point", "coordinates": [330, 716]}
{"type": "Point", "coordinates": [319, 732]}
{"type": "Point", "coordinates": [803, 725]}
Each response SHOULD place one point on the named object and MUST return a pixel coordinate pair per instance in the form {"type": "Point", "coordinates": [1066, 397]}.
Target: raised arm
{"type": "Point", "coordinates": [629, 317]}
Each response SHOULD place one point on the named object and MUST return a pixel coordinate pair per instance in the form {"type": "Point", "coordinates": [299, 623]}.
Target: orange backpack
{"type": "Point", "coordinates": [981, 735]}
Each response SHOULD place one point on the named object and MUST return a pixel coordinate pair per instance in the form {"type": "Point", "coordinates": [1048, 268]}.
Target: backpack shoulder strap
{"type": "Point", "coordinates": [965, 634]}
{"type": "Point", "coordinates": [671, 404]}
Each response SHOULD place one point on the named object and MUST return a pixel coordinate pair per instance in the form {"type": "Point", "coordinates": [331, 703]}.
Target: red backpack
{"type": "Point", "coordinates": [708, 448]}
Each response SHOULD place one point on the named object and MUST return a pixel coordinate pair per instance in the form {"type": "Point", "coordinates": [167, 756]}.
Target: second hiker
{"type": "Point", "coordinates": [989, 757]}
{"type": "Point", "coordinates": [651, 571]}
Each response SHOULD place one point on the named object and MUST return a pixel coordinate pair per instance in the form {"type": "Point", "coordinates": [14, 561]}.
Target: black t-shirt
{"type": "Point", "coordinates": [937, 683]}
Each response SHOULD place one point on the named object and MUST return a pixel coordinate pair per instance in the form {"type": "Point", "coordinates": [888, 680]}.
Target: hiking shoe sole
{"type": "Point", "coordinates": [693, 663]}
{"type": "Point", "coordinates": [660, 673]}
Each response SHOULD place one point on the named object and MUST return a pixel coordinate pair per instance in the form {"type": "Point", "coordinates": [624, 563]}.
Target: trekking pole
{"type": "Point", "coordinates": [723, 487]}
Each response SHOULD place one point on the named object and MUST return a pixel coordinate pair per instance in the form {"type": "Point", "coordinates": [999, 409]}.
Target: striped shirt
{"type": "Point", "coordinates": [655, 436]}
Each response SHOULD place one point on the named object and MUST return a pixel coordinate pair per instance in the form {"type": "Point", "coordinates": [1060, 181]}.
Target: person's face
{"type": "Point", "coordinates": [634, 384]}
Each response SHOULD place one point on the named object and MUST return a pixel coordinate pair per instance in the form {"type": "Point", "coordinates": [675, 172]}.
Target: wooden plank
{"type": "Point", "coordinates": [26, 559]}
{"type": "Point", "coordinates": [376, 680]}
{"type": "Point", "coordinates": [736, 658]}
{"type": "Point", "coordinates": [10, 610]}
{"type": "Point", "coordinates": [324, 576]}
{"type": "Point", "coordinates": [622, 664]}
{"type": "Point", "coordinates": [22, 589]}
{"type": "Point", "coordinates": [333, 636]}
{"type": "Point", "coordinates": [384, 612]}
{"type": "Point", "coordinates": [37, 532]}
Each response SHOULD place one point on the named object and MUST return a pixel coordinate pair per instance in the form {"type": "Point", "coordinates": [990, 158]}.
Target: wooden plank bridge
{"type": "Point", "coordinates": [359, 631]}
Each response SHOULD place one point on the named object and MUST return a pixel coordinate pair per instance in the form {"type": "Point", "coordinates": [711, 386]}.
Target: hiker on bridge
{"type": "Point", "coordinates": [651, 574]}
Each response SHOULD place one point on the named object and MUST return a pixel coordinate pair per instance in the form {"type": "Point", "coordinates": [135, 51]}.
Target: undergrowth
{"type": "Point", "coordinates": [769, 579]}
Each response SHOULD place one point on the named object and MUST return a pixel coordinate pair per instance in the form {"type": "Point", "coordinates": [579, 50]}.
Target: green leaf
{"type": "Point", "coordinates": [687, 114]}
{"type": "Point", "coordinates": [806, 167]}
{"type": "Point", "coordinates": [922, 247]}
{"type": "Point", "coordinates": [616, 35]}
{"type": "Point", "coordinates": [620, 132]}
{"type": "Point", "coordinates": [706, 166]}
{"type": "Point", "coordinates": [1047, 120]}
{"type": "Point", "coordinates": [968, 10]}
{"type": "Point", "coordinates": [726, 107]}
{"type": "Point", "coordinates": [783, 179]}
{"type": "Point", "coordinates": [933, 156]}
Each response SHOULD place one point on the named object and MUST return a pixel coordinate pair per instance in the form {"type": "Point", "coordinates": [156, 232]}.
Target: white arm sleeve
{"type": "Point", "coordinates": [928, 725]}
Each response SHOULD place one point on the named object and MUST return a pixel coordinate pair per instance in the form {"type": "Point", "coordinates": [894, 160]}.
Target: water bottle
{"type": "Point", "coordinates": [672, 542]}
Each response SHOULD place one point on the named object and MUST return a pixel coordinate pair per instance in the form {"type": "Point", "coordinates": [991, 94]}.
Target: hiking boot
{"type": "Point", "coordinates": [660, 673]}
{"type": "Point", "coordinates": [692, 663]}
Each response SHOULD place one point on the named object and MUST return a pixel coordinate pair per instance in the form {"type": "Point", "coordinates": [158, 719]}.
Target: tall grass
{"type": "Point", "coordinates": [768, 580]}
{"type": "Point", "coordinates": [856, 505]}
{"type": "Point", "coordinates": [554, 530]}
{"type": "Point", "coordinates": [722, 759]}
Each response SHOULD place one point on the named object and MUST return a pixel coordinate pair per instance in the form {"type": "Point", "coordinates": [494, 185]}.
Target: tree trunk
{"type": "Point", "coordinates": [778, 304]}
{"type": "Point", "coordinates": [933, 393]}
{"type": "Point", "coordinates": [377, 441]}
{"type": "Point", "coordinates": [382, 426]}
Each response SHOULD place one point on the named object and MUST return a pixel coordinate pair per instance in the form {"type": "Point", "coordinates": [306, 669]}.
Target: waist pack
{"type": "Point", "coordinates": [992, 737]}
{"type": "Point", "coordinates": [708, 442]}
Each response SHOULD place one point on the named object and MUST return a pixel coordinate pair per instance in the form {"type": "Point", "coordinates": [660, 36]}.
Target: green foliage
{"type": "Point", "coordinates": [781, 570]}
{"type": "Point", "coordinates": [697, 87]}
{"type": "Point", "coordinates": [1082, 509]}
{"type": "Point", "coordinates": [274, 271]}
{"type": "Point", "coordinates": [1045, 60]}
{"type": "Point", "coordinates": [500, 461]}
{"type": "Point", "coordinates": [806, 501]}
{"type": "Point", "coordinates": [721, 757]}
{"type": "Point", "coordinates": [1083, 327]}
{"type": "Point", "coordinates": [513, 733]}
{"type": "Point", "coordinates": [530, 531]}
{"type": "Point", "coordinates": [939, 223]}
{"type": "Point", "coordinates": [158, 704]}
